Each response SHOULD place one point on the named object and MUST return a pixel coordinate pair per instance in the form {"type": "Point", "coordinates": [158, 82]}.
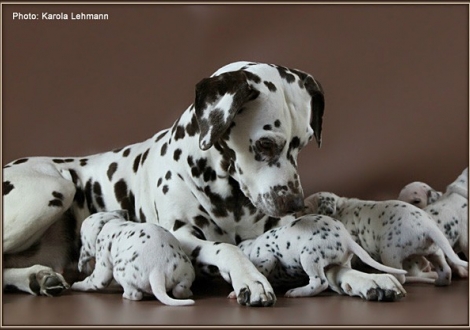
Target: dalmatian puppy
{"type": "Point", "coordinates": [301, 251]}
{"type": "Point", "coordinates": [419, 194]}
{"type": "Point", "coordinates": [141, 257]}
{"type": "Point", "coordinates": [390, 231]}
{"type": "Point", "coordinates": [224, 172]}
{"type": "Point", "coordinates": [449, 211]}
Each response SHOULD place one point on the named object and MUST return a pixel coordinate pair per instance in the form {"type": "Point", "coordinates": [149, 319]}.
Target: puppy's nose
{"type": "Point", "coordinates": [292, 204]}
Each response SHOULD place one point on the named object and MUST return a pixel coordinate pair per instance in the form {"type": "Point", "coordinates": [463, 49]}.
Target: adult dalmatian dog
{"type": "Point", "coordinates": [226, 171]}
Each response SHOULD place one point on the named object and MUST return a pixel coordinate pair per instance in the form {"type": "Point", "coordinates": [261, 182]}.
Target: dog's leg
{"type": "Point", "coordinates": [317, 279]}
{"type": "Point", "coordinates": [379, 287]}
{"type": "Point", "coordinates": [35, 197]}
{"type": "Point", "coordinates": [100, 278]}
{"type": "Point", "coordinates": [251, 287]}
{"type": "Point", "coordinates": [36, 280]}
{"type": "Point", "coordinates": [444, 273]}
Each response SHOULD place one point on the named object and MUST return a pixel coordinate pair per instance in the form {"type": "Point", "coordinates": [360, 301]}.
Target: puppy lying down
{"type": "Point", "coordinates": [390, 231]}
{"type": "Point", "coordinates": [301, 250]}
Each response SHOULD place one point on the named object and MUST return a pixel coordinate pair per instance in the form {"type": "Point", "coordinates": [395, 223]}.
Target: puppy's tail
{"type": "Point", "coordinates": [367, 259]}
{"type": "Point", "coordinates": [157, 283]}
{"type": "Point", "coordinates": [441, 241]}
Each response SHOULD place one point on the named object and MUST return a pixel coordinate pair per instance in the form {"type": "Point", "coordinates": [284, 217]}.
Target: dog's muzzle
{"type": "Point", "coordinates": [276, 205]}
{"type": "Point", "coordinates": [290, 204]}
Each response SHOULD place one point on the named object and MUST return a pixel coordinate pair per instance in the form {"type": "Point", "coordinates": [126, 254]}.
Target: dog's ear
{"type": "Point", "coordinates": [317, 105]}
{"type": "Point", "coordinates": [218, 100]}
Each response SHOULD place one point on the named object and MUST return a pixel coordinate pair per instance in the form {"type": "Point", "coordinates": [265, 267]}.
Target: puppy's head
{"type": "Point", "coordinates": [419, 194]}
{"type": "Point", "coordinates": [258, 117]}
{"type": "Point", "coordinates": [89, 231]}
{"type": "Point", "coordinates": [322, 203]}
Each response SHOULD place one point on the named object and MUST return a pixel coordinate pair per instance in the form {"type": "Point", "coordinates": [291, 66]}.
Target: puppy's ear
{"type": "Point", "coordinates": [317, 105]}
{"type": "Point", "coordinates": [433, 196]}
{"type": "Point", "coordinates": [218, 100]}
{"type": "Point", "coordinates": [311, 204]}
{"type": "Point", "coordinates": [123, 213]}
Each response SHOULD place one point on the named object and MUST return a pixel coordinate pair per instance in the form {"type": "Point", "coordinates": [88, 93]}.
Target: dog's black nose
{"type": "Point", "coordinates": [292, 204]}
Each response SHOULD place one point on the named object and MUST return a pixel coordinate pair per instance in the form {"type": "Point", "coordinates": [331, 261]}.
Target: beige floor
{"type": "Point", "coordinates": [424, 305]}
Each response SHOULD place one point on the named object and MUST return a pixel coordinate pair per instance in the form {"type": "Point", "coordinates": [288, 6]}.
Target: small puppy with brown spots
{"type": "Point", "coordinates": [142, 258]}
{"type": "Point", "coordinates": [390, 231]}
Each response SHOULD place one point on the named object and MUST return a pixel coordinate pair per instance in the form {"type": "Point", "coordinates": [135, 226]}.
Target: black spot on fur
{"type": "Point", "coordinates": [192, 128]}
{"type": "Point", "coordinates": [111, 170]}
{"type": "Point", "coordinates": [89, 197]}
{"type": "Point", "coordinates": [168, 175]}
{"type": "Point", "coordinates": [98, 195]}
{"type": "Point", "coordinates": [163, 149]}
{"type": "Point", "coordinates": [201, 221]}
{"type": "Point", "coordinates": [136, 163]}
{"type": "Point", "coordinates": [177, 154]}
{"type": "Point", "coordinates": [126, 152]}
{"type": "Point", "coordinates": [178, 224]}
{"type": "Point", "coordinates": [83, 161]}
{"type": "Point", "coordinates": [144, 156]}
{"type": "Point", "coordinates": [55, 203]}
{"type": "Point", "coordinates": [271, 86]}
{"type": "Point", "coordinates": [143, 218]}
{"type": "Point", "coordinates": [179, 133]}
{"type": "Point", "coordinates": [160, 136]}
{"type": "Point", "coordinates": [125, 198]}
{"type": "Point", "coordinates": [285, 74]}
{"type": "Point", "coordinates": [195, 252]}
{"type": "Point", "coordinates": [20, 161]}
{"type": "Point", "coordinates": [198, 233]}
{"type": "Point", "coordinates": [270, 223]}
{"type": "Point", "coordinates": [7, 187]}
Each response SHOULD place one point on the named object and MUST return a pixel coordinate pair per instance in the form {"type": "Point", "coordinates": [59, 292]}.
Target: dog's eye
{"type": "Point", "coordinates": [267, 146]}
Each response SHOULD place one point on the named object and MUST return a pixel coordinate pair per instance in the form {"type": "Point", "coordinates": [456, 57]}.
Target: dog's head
{"type": "Point", "coordinates": [322, 203]}
{"type": "Point", "coordinates": [89, 231]}
{"type": "Point", "coordinates": [419, 194]}
{"type": "Point", "coordinates": [259, 116]}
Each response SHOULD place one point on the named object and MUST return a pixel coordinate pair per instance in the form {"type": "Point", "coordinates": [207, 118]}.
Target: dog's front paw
{"type": "Point", "coordinates": [46, 282]}
{"type": "Point", "coordinates": [255, 295]}
{"type": "Point", "coordinates": [252, 289]}
{"type": "Point", "coordinates": [372, 287]}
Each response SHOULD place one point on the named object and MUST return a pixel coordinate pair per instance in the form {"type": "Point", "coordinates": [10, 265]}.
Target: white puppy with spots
{"type": "Point", "coordinates": [298, 253]}
{"type": "Point", "coordinates": [390, 231]}
{"type": "Point", "coordinates": [449, 211]}
{"type": "Point", "coordinates": [142, 258]}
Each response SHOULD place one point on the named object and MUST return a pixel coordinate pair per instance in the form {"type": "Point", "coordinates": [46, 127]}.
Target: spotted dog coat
{"type": "Point", "coordinates": [449, 211]}
{"type": "Point", "coordinates": [390, 231]}
{"type": "Point", "coordinates": [142, 258]}
{"type": "Point", "coordinates": [226, 171]}
{"type": "Point", "coordinates": [300, 252]}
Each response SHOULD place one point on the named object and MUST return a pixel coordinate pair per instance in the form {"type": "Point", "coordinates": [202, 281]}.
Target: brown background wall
{"type": "Point", "coordinates": [395, 78]}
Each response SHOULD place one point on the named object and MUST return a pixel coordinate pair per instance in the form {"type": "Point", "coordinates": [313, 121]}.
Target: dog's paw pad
{"type": "Point", "coordinates": [50, 283]}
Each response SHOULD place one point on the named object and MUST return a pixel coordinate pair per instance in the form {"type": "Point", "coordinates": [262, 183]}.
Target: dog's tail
{"type": "Point", "coordinates": [367, 259]}
{"type": "Point", "coordinates": [157, 283]}
{"type": "Point", "coordinates": [441, 241]}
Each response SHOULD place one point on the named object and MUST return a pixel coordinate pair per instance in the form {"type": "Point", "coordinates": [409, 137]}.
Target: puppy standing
{"type": "Point", "coordinates": [142, 257]}
{"type": "Point", "coordinates": [391, 231]}
{"type": "Point", "coordinates": [449, 211]}
{"type": "Point", "coordinates": [290, 254]}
